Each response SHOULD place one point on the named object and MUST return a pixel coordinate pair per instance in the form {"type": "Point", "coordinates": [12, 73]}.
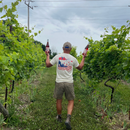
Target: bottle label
{"type": "Point", "coordinates": [85, 51]}
{"type": "Point", "coordinates": [47, 49]}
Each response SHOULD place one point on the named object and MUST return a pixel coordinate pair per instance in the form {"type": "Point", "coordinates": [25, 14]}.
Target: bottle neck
{"type": "Point", "coordinates": [47, 45]}
{"type": "Point", "coordinates": [87, 47]}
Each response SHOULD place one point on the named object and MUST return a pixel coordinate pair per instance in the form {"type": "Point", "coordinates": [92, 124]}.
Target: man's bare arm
{"type": "Point", "coordinates": [81, 64]}
{"type": "Point", "coordinates": [48, 64]}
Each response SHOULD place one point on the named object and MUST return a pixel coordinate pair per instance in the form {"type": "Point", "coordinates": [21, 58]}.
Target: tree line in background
{"type": "Point", "coordinates": [52, 54]}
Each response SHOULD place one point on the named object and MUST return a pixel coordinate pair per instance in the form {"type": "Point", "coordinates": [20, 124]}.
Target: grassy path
{"type": "Point", "coordinates": [34, 108]}
{"type": "Point", "coordinates": [41, 114]}
{"type": "Point", "coordinates": [43, 110]}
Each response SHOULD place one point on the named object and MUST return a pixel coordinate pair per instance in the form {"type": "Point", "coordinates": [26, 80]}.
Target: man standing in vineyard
{"type": "Point", "coordinates": [64, 79]}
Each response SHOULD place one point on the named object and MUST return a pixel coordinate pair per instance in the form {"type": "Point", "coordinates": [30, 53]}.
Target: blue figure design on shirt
{"type": "Point", "coordinates": [61, 65]}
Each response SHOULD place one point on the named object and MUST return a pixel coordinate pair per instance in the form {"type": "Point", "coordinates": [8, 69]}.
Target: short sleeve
{"type": "Point", "coordinates": [54, 60]}
{"type": "Point", "coordinates": [76, 63]}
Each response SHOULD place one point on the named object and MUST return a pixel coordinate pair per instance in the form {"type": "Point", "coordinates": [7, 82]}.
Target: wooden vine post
{"type": "Point", "coordinates": [129, 113]}
{"type": "Point", "coordinates": [6, 94]}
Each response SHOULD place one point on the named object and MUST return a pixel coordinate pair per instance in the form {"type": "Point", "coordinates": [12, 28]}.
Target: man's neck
{"type": "Point", "coordinates": [67, 52]}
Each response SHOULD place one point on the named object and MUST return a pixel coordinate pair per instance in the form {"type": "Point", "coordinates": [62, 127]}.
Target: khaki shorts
{"type": "Point", "coordinates": [60, 88]}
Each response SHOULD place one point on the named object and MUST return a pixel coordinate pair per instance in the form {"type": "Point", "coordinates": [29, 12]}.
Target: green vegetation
{"type": "Point", "coordinates": [19, 56]}
{"type": "Point", "coordinates": [108, 59]}
{"type": "Point", "coordinates": [33, 106]}
{"type": "Point", "coordinates": [41, 113]}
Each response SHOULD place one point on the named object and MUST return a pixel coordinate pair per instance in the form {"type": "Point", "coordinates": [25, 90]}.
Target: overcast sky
{"type": "Point", "coordinates": [71, 20]}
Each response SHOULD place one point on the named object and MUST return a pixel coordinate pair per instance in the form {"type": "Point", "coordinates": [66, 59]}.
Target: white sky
{"type": "Point", "coordinates": [71, 20]}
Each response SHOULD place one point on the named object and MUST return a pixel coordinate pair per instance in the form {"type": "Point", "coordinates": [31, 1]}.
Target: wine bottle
{"type": "Point", "coordinates": [85, 50]}
{"type": "Point", "coordinates": [47, 46]}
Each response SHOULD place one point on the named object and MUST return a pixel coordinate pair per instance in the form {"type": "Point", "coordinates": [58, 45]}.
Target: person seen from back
{"type": "Point", "coordinates": [64, 79]}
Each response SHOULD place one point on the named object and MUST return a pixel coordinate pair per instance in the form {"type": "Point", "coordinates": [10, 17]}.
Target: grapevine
{"type": "Point", "coordinates": [108, 59]}
{"type": "Point", "coordinates": [18, 53]}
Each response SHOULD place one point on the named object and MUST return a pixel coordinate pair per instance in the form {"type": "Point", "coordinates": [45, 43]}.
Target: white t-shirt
{"type": "Point", "coordinates": [65, 63]}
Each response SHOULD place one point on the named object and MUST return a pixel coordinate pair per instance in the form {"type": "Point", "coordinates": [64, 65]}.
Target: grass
{"type": "Point", "coordinates": [121, 93]}
{"type": "Point", "coordinates": [43, 111]}
{"type": "Point", "coordinates": [41, 114]}
{"type": "Point", "coordinates": [117, 112]}
{"type": "Point", "coordinates": [2, 93]}
{"type": "Point", "coordinates": [34, 108]}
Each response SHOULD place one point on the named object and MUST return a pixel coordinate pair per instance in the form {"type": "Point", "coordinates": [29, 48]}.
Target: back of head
{"type": "Point", "coordinates": [67, 46]}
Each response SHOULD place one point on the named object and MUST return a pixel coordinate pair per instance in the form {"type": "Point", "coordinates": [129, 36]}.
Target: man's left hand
{"type": "Point", "coordinates": [84, 55]}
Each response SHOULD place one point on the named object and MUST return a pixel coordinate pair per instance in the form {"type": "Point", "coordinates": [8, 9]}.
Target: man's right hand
{"type": "Point", "coordinates": [47, 53]}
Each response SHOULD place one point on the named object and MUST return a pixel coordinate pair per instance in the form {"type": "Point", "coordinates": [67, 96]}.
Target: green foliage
{"type": "Point", "coordinates": [1, 9]}
{"type": "Point", "coordinates": [73, 52]}
{"type": "Point", "coordinates": [77, 72]}
{"type": "Point", "coordinates": [18, 53]}
{"type": "Point", "coordinates": [42, 45]}
{"type": "Point", "coordinates": [124, 124]}
{"type": "Point", "coordinates": [79, 57]}
{"type": "Point", "coordinates": [13, 119]}
{"type": "Point", "coordinates": [109, 57]}
{"type": "Point", "coordinates": [53, 54]}
{"type": "Point", "coordinates": [1, 120]}
{"type": "Point", "coordinates": [32, 116]}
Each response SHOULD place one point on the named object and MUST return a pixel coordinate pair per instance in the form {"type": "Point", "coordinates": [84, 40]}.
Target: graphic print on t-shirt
{"type": "Point", "coordinates": [64, 64]}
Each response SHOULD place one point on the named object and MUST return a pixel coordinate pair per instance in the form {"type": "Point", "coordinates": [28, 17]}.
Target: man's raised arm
{"type": "Point", "coordinates": [82, 63]}
{"type": "Point", "coordinates": [48, 64]}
